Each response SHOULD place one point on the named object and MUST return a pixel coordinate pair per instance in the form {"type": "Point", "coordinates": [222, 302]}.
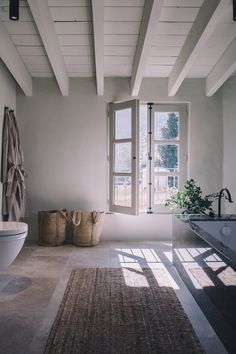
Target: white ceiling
{"type": "Point", "coordinates": [118, 35]}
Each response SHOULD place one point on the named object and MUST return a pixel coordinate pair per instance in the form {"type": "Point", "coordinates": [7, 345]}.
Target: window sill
{"type": "Point", "coordinates": [142, 213]}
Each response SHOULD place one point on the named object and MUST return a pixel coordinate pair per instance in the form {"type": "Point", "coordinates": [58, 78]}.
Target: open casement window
{"type": "Point", "coordinates": [123, 157]}
{"type": "Point", "coordinates": [169, 152]}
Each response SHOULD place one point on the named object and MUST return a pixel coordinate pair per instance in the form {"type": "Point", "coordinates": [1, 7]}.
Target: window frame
{"type": "Point", "coordinates": [134, 140]}
{"type": "Point", "coordinates": [134, 209]}
{"type": "Point", "coordinates": [182, 109]}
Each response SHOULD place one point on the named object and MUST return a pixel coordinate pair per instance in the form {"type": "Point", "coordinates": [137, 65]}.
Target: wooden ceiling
{"type": "Point", "coordinates": [176, 39]}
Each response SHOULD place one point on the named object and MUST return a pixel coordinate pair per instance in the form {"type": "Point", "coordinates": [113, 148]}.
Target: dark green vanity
{"type": "Point", "coordinates": [207, 266]}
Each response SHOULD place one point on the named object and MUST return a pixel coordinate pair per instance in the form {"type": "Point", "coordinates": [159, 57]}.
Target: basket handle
{"type": "Point", "coordinates": [76, 217]}
{"type": "Point", "coordinates": [65, 214]}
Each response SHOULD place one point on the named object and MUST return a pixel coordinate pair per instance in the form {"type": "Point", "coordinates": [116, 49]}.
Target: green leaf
{"type": "Point", "coordinates": [191, 201]}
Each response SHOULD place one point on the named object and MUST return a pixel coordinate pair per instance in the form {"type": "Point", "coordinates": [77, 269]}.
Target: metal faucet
{"type": "Point", "coordinates": [221, 194]}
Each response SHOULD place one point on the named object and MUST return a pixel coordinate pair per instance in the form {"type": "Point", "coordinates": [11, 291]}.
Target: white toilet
{"type": "Point", "coordinates": [12, 238]}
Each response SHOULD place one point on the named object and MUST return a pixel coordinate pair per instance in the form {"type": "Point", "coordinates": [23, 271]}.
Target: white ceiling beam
{"type": "Point", "coordinates": [149, 23]}
{"type": "Point", "coordinates": [13, 61]}
{"type": "Point", "coordinates": [44, 23]}
{"type": "Point", "coordinates": [205, 23]}
{"type": "Point", "coordinates": [98, 30]}
{"type": "Point", "coordinates": [223, 69]}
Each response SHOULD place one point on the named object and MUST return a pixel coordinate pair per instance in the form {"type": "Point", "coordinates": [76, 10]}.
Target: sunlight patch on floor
{"type": "Point", "coordinates": [133, 260]}
{"type": "Point", "coordinates": [134, 278]}
{"type": "Point", "coordinates": [228, 277]}
{"type": "Point", "coordinates": [202, 259]}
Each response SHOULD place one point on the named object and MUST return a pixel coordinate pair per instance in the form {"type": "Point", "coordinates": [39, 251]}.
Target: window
{"type": "Point", "coordinates": [143, 181]}
{"type": "Point", "coordinates": [169, 153]}
{"type": "Point", "coordinates": [123, 157]}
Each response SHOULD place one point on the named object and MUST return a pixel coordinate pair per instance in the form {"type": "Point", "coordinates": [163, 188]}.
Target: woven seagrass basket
{"type": "Point", "coordinates": [87, 227]}
{"type": "Point", "coordinates": [52, 227]}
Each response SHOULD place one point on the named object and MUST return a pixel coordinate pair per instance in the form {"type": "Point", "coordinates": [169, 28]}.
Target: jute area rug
{"type": "Point", "coordinates": [121, 311]}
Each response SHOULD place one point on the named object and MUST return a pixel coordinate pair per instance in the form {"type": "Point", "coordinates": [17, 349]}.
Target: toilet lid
{"type": "Point", "coordinates": [8, 228]}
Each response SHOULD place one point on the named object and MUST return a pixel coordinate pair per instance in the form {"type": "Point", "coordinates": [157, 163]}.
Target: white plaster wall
{"type": "Point", "coordinates": [229, 121]}
{"type": "Point", "coordinates": [65, 144]}
{"type": "Point", "coordinates": [7, 98]}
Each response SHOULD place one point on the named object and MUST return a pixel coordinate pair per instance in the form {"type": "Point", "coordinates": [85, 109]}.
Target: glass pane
{"type": "Point", "coordinates": [122, 192]}
{"type": "Point", "coordinates": [164, 187]}
{"type": "Point", "coordinates": [166, 158]}
{"type": "Point", "coordinates": [166, 125]}
{"type": "Point", "coordinates": [123, 119]}
{"type": "Point", "coordinates": [143, 158]}
{"type": "Point", "coordinates": [122, 157]}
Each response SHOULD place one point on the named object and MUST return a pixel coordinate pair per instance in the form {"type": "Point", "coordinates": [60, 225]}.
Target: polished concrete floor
{"type": "Point", "coordinates": [31, 289]}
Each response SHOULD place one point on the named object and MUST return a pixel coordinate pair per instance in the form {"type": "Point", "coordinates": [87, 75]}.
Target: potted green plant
{"type": "Point", "coordinates": [191, 201]}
